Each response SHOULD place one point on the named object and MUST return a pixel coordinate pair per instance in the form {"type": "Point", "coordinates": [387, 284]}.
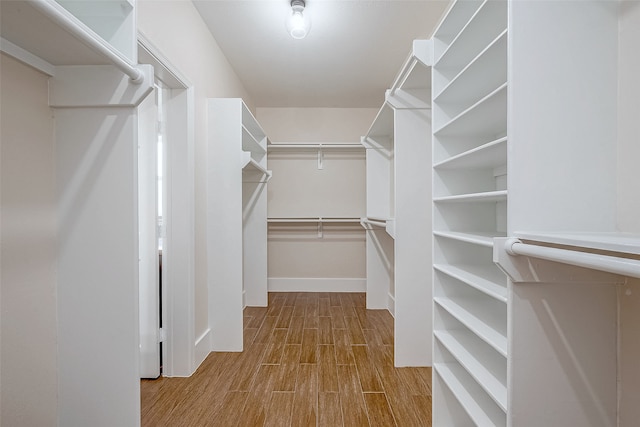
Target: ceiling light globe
{"type": "Point", "coordinates": [297, 23]}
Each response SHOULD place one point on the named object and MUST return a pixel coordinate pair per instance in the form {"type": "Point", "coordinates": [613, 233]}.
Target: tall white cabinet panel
{"type": "Point", "coordinates": [398, 218]}
{"type": "Point", "coordinates": [236, 219]}
{"type": "Point", "coordinates": [570, 149]}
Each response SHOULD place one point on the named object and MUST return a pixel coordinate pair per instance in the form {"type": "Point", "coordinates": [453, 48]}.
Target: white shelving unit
{"type": "Point", "coordinates": [397, 222]}
{"type": "Point", "coordinates": [237, 176]}
{"type": "Point", "coordinates": [515, 149]}
{"type": "Point", "coordinates": [93, 203]}
{"type": "Point", "coordinates": [42, 28]}
{"type": "Point", "coordinates": [469, 210]}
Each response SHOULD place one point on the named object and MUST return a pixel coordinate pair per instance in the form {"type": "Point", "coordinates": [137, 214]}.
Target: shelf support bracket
{"type": "Point", "coordinates": [320, 158]}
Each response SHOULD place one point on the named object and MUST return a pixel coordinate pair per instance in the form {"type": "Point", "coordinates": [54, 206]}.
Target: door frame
{"type": "Point", "coordinates": [179, 349]}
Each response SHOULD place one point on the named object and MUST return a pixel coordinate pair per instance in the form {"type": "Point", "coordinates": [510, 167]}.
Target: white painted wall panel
{"type": "Point", "coordinates": [28, 378]}
{"type": "Point", "coordinates": [97, 267]}
{"type": "Point", "coordinates": [315, 124]}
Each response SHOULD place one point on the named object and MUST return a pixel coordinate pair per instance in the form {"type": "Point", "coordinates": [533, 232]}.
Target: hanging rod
{"type": "Point", "coordinates": [420, 53]}
{"type": "Point", "coordinates": [65, 20]}
{"type": "Point", "coordinates": [313, 146]}
{"type": "Point", "coordinates": [365, 221]}
{"type": "Point", "coordinates": [610, 264]}
{"type": "Point", "coordinates": [311, 220]}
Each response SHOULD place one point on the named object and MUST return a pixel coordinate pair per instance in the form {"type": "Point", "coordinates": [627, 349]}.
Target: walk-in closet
{"type": "Point", "coordinates": [328, 213]}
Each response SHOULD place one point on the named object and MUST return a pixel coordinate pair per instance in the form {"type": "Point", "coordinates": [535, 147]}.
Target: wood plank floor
{"type": "Point", "coordinates": [310, 359]}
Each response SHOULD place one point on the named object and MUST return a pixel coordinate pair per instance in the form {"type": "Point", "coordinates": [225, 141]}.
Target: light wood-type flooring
{"type": "Point", "coordinates": [309, 359]}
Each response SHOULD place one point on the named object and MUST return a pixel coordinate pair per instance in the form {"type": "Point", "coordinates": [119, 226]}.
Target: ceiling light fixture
{"type": "Point", "coordinates": [298, 24]}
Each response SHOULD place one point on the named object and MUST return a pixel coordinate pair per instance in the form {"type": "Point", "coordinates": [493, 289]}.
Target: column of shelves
{"type": "Point", "coordinates": [254, 149]}
{"type": "Point", "coordinates": [469, 210]}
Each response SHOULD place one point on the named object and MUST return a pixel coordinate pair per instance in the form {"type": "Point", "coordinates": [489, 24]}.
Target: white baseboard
{"type": "Point", "coordinates": [202, 348]}
{"type": "Point", "coordinates": [391, 304]}
{"type": "Point", "coordinates": [306, 284]}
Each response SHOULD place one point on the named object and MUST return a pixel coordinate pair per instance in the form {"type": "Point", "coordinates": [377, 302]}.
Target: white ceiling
{"type": "Point", "coordinates": [349, 58]}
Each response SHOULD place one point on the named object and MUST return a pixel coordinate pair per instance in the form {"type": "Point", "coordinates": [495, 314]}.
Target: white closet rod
{"type": "Point", "coordinates": [404, 74]}
{"type": "Point", "coordinates": [312, 220]}
{"type": "Point", "coordinates": [420, 52]}
{"type": "Point", "coordinates": [610, 264]}
{"type": "Point", "coordinates": [364, 221]}
{"type": "Point", "coordinates": [65, 20]}
{"type": "Point", "coordinates": [316, 146]}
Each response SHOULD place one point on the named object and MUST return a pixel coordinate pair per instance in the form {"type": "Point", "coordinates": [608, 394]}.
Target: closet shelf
{"type": "Point", "coordinates": [464, 349]}
{"type": "Point", "coordinates": [473, 37]}
{"type": "Point", "coordinates": [382, 126]}
{"type": "Point", "coordinates": [489, 155]}
{"type": "Point", "coordinates": [457, 18]}
{"type": "Point", "coordinates": [471, 397]}
{"type": "Point", "coordinates": [49, 31]}
{"type": "Point", "coordinates": [251, 143]}
{"type": "Point", "coordinates": [485, 278]}
{"type": "Point", "coordinates": [480, 318]}
{"type": "Point", "coordinates": [489, 196]}
{"type": "Point", "coordinates": [251, 125]}
{"type": "Point", "coordinates": [490, 63]}
{"type": "Point", "coordinates": [481, 238]}
{"type": "Point", "coordinates": [487, 116]}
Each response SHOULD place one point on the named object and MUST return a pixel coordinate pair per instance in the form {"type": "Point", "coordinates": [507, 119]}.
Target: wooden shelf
{"type": "Point", "coordinates": [473, 399]}
{"type": "Point", "coordinates": [489, 155]}
{"type": "Point", "coordinates": [485, 278]}
{"type": "Point", "coordinates": [486, 117]}
{"type": "Point", "coordinates": [480, 318]}
{"type": "Point", "coordinates": [479, 361]}
{"type": "Point", "coordinates": [486, 197]}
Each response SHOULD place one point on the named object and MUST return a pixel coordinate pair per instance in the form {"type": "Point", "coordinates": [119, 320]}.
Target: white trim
{"type": "Point", "coordinates": [27, 57]}
{"type": "Point", "coordinates": [391, 304]}
{"type": "Point", "coordinates": [202, 347]}
{"type": "Point", "coordinates": [312, 284]}
{"type": "Point", "coordinates": [165, 71]}
{"type": "Point", "coordinates": [182, 354]}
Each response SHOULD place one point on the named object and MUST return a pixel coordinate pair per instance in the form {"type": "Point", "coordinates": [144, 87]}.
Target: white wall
{"type": "Point", "coordinates": [315, 124]}
{"type": "Point", "coordinates": [629, 202]}
{"type": "Point", "coordinates": [298, 257]}
{"type": "Point", "coordinates": [189, 46]}
{"type": "Point", "coordinates": [28, 378]}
